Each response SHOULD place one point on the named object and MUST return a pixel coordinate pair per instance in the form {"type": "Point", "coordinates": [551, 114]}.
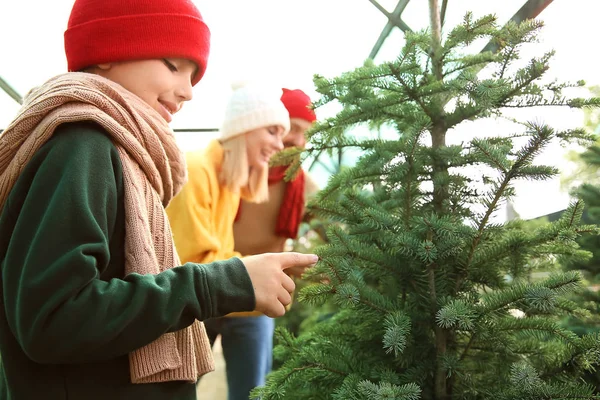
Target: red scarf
{"type": "Point", "coordinates": [292, 206]}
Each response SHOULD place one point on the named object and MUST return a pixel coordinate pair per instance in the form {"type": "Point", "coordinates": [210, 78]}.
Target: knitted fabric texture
{"type": "Point", "coordinates": [106, 31]}
{"type": "Point", "coordinates": [251, 107]}
{"type": "Point", "coordinates": [153, 172]}
{"type": "Point", "coordinates": [298, 104]}
{"type": "Point", "coordinates": [292, 207]}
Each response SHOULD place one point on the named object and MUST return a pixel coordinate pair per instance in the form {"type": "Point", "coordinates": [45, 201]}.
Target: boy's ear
{"type": "Point", "coordinates": [104, 67]}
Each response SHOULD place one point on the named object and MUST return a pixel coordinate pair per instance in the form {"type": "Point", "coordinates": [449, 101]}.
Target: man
{"type": "Point", "coordinates": [265, 227]}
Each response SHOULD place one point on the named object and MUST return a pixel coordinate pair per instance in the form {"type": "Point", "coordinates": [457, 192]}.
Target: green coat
{"type": "Point", "coordinates": [68, 316]}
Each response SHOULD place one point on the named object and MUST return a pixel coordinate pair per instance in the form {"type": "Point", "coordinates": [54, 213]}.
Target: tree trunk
{"type": "Point", "coordinates": [438, 140]}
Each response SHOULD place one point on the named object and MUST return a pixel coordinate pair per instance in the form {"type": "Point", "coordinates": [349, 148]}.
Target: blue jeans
{"type": "Point", "coordinates": [248, 351]}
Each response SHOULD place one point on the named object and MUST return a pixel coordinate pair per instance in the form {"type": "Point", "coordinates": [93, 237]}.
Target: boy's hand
{"type": "Point", "coordinates": [297, 271]}
{"type": "Point", "coordinates": [272, 287]}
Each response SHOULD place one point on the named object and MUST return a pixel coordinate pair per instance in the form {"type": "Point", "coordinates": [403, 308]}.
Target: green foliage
{"type": "Point", "coordinates": [590, 192]}
{"type": "Point", "coordinates": [301, 315]}
{"type": "Point", "coordinates": [587, 188]}
{"type": "Point", "coordinates": [415, 263]}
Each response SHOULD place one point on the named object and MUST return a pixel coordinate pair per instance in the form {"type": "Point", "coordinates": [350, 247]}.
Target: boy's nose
{"type": "Point", "coordinates": [184, 91]}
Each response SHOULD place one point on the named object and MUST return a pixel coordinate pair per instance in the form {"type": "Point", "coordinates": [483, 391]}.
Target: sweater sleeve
{"type": "Point", "coordinates": [56, 305]}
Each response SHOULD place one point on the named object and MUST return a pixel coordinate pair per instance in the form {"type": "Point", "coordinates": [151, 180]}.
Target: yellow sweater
{"type": "Point", "coordinates": [202, 214]}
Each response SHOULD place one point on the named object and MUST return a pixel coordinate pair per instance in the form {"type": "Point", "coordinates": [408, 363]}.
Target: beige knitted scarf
{"type": "Point", "coordinates": [153, 171]}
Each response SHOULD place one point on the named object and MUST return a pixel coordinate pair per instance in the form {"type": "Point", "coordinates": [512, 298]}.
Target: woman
{"type": "Point", "coordinates": [202, 217]}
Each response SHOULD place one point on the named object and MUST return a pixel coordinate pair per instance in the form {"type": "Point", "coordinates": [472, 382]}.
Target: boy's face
{"type": "Point", "coordinates": [164, 84]}
{"type": "Point", "coordinates": [297, 137]}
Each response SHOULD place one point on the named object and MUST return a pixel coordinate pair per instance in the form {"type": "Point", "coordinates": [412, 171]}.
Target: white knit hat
{"type": "Point", "coordinates": [251, 107]}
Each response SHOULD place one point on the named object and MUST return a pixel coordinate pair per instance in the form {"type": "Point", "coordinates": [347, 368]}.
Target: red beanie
{"type": "Point", "coordinates": [104, 31]}
{"type": "Point", "coordinates": [297, 103]}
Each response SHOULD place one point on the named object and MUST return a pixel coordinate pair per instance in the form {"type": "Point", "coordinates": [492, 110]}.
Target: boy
{"type": "Point", "coordinates": [94, 302]}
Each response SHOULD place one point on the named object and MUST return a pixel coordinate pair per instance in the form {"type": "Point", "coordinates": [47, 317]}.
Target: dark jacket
{"type": "Point", "coordinates": [68, 316]}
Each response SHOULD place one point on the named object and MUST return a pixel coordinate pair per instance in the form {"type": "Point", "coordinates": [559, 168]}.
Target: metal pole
{"type": "Point", "coordinates": [196, 130]}
{"type": "Point", "coordinates": [529, 10]}
{"type": "Point", "coordinates": [393, 20]}
{"type": "Point", "coordinates": [10, 91]}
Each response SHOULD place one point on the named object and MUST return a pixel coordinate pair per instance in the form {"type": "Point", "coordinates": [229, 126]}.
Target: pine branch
{"type": "Point", "coordinates": [460, 115]}
{"type": "Point", "coordinates": [468, 346]}
{"type": "Point", "coordinates": [411, 92]}
{"type": "Point", "coordinates": [481, 227]}
{"type": "Point", "coordinates": [477, 62]}
{"type": "Point", "coordinates": [507, 59]}
{"type": "Point", "coordinates": [530, 106]}
{"type": "Point", "coordinates": [373, 306]}
{"type": "Point", "coordinates": [319, 366]}
{"type": "Point", "coordinates": [334, 272]}
{"type": "Point", "coordinates": [577, 211]}
{"type": "Point", "coordinates": [540, 138]}
{"type": "Point", "coordinates": [499, 166]}
{"type": "Point", "coordinates": [410, 158]}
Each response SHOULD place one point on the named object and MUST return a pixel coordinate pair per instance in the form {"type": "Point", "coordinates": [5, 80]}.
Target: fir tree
{"type": "Point", "coordinates": [584, 184]}
{"type": "Point", "coordinates": [415, 263]}
{"type": "Point", "coordinates": [589, 192]}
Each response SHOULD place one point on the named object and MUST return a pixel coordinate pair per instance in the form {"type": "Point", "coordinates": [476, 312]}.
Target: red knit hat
{"type": "Point", "coordinates": [104, 31]}
{"type": "Point", "coordinates": [297, 103]}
